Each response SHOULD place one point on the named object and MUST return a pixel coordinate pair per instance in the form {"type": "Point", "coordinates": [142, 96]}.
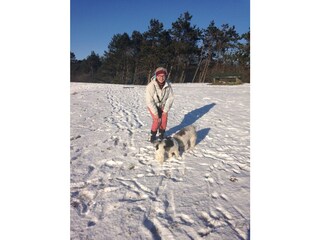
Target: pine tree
{"type": "Point", "coordinates": [185, 39]}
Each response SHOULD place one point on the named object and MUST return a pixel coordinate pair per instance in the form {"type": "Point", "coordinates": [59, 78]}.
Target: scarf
{"type": "Point", "coordinates": [161, 84]}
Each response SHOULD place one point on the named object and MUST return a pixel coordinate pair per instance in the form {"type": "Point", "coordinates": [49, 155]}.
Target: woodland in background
{"type": "Point", "coordinates": [190, 54]}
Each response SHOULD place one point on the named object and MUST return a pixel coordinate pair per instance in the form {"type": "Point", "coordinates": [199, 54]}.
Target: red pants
{"type": "Point", "coordinates": [159, 122]}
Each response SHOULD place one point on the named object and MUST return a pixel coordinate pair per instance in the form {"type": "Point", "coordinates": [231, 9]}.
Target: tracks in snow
{"type": "Point", "coordinates": [115, 180]}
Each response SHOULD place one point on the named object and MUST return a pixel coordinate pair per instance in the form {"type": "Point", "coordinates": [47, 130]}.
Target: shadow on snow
{"type": "Point", "coordinates": [190, 118]}
{"type": "Point", "coordinates": [201, 134]}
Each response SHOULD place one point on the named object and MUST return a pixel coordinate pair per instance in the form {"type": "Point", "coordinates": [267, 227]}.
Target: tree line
{"type": "Point", "coordinates": [190, 54]}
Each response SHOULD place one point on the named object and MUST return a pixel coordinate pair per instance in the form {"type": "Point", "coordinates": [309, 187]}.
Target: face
{"type": "Point", "coordinates": [161, 78]}
{"type": "Point", "coordinates": [160, 146]}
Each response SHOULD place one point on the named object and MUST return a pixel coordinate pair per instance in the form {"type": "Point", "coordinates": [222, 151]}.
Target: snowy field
{"type": "Point", "coordinates": [119, 191]}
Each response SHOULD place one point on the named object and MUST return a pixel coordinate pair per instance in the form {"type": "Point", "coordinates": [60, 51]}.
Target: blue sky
{"type": "Point", "coordinates": [94, 23]}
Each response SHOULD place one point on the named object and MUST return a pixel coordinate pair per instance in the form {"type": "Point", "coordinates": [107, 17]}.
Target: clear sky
{"type": "Point", "coordinates": [94, 23]}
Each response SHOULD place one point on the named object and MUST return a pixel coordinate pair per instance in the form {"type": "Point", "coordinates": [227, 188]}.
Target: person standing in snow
{"type": "Point", "coordinates": [159, 99]}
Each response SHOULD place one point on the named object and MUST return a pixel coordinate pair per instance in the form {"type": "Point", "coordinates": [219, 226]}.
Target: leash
{"type": "Point", "coordinates": [160, 101]}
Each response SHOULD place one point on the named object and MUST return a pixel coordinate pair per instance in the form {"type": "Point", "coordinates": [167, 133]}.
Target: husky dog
{"type": "Point", "coordinates": [183, 140]}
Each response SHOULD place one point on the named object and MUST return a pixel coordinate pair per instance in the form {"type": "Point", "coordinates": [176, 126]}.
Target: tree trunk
{"type": "Point", "coordinates": [149, 76]}
{"type": "Point", "coordinates": [134, 73]}
{"type": "Point", "coordinates": [169, 73]}
{"type": "Point", "coordinates": [195, 74]}
{"type": "Point", "coordinates": [92, 79]}
{"type": "Point", "coordinates": [199, 64]}
{"type": "Point", "coordinates": [204, 71]}
{"type": "Point", "coordinates": [127, 79]}
{"type": "Point", "coordinates": [182, 78]}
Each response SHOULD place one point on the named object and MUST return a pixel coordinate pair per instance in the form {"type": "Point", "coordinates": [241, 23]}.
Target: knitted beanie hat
{"type": "Point", "coordinates": [161, 70]}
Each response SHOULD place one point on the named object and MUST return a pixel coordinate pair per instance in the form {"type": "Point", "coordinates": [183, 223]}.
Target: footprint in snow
{"type": "Point", "coordinates": [116, 141]}
{"type": "Point", "coordinates": [211, 220]}
{"type": "Point", "coordinates": [91, 223]}
{"type": "Point", "coordinates": [186, 219]}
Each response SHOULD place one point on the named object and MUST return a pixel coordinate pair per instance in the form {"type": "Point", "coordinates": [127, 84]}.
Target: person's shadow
{"type": "Point", "coordinates": [191, 118]}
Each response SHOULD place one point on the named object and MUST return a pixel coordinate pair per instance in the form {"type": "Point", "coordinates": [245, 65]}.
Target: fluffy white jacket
{"type": "Point", "coordinates": [156, 97]}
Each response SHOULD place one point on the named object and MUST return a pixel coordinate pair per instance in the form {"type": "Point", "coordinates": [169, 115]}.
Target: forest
{"type": "Point", "coordinates": [189, 53]}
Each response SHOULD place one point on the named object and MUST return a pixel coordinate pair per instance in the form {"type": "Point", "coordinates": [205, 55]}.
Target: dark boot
{"type": "Point", "coordinates": [153, 136]}
{"type": "Point", "coordinates": [161, 136]}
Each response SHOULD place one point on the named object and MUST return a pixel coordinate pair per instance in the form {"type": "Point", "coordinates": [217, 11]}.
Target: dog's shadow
{"type": "Point", "coordinates": [190, 118]}
{"type": "Point", "coordinates": [201, 134]}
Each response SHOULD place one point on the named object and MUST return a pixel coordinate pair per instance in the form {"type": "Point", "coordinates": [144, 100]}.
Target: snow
{"type": "Point", "coordinates": [119, 191]}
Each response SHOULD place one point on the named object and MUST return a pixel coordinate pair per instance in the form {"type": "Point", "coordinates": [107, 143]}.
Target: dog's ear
{"type": "Point", "coordinates": [169, 142]}
{"type": "Point", "coordinates": [156, 145]}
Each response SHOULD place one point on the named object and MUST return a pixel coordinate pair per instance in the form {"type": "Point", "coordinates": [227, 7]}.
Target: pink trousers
{"type": "Point", "coordinates": [159, 122]}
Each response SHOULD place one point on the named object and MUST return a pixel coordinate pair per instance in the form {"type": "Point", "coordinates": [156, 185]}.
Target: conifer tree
{"type": "Point", "coordinates": [185, 39]}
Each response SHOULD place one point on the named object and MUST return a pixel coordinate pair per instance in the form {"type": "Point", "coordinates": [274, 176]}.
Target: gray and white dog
{"type": "Point", "coordinates": [183, 140]}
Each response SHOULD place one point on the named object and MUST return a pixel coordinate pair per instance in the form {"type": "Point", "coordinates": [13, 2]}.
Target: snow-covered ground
{"type": "Point", "coordinates": [119, 191]}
